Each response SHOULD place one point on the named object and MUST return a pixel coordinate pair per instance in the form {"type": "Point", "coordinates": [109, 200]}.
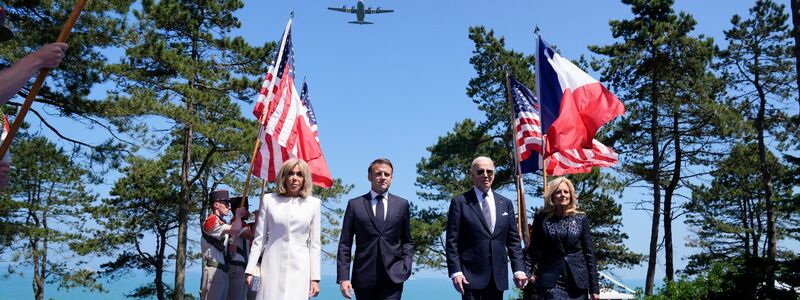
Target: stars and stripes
{"type": "Point", "coordinates": [288, 124]}
{"type": "Point", "coordinates": [529, 140]}
{"type": "Point", "coordinates": [526, 119]}
{"type": "Point", "coordinates": [312, 117]}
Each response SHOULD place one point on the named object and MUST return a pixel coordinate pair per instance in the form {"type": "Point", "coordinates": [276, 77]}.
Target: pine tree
{"type": "Point", "coordinates": [182, 67]}
{"type": "Point", "coordinates": [758, 65]}
{"type": "Point", "coordinates": [67, 89]}
{"type": "Point", "coordinates": [46, 201]}
{"type": "Point", "coordinates": [673, 120]}
{"type": "Point", "coordinates": [730, 219]}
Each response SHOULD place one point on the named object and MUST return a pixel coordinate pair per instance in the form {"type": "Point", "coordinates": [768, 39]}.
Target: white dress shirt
{"type": "Point", "coordinates": [374, 202]}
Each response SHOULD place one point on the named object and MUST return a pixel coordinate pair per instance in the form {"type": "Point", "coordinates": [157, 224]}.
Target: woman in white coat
{"type": "Point", "coordinates": [288, 233]}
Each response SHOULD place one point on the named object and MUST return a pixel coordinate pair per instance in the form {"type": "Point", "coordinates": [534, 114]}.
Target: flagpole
{"type": "Point", "coordinates": [541, 123]}
{"type": "Point", "coordinates": [62, 37]}
{"type": "Point", "coordinates": [544, 164]}
{"type": "Point", "coordinates": [263, 112]}
{"type": "Point", "coordinates": [522, 218]}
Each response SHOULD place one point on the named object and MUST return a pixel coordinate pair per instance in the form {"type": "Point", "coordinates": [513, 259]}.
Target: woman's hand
{"type": "Point", "coordinates": [249, 280]}
{"type": "Point", "coordinates": [595, 297]}
{"type": "Point", "coordinates": [313, 290]}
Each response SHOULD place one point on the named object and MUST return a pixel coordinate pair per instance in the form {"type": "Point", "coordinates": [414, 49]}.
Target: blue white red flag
{"type": "Point", "coordinates": [527, 114]}
{"type": "Point", "coordinates": [574, 105]}
{"type": "Point", "coordinates": [287, 129]}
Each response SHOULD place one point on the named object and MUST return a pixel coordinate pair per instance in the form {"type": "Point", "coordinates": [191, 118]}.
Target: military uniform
{"type": "Point", "coordinates": [237, 286]}
{"type": "Point", "coordinates": [215, 268]}
{"type": "Point", "coordinates": [215, 256]}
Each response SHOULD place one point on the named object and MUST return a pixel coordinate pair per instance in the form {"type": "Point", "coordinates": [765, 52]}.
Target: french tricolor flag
{"type": "Point", "coordinates": [573, 104]}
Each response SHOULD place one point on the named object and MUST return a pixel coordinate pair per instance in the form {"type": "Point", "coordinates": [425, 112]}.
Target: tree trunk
{"type": "Point", "coordinates": [159, 265]}
{"type": "Point", "coordinates": [656, 179]}
{"type": "Point", "coordinates": [747, 229]}
{"type": "Point", "coordinates": [38, 266]}
{"type": "Point", "coordinates": [668, 193]}
{"type": "Point", "coordinates": [766, 180]}
{"type": "Point", "coordinates": [796, 22]}
{"type": "Point", "coordinates": [183, 214]}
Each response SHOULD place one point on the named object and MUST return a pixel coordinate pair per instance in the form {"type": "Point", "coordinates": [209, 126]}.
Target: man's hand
{"type": "Point", "coordinates": [520, 280]}
{"type": "Point", "coordinates": [313, 290]}
{"type": "Point", "coordinates": [4, 169]}
{"type": "Point", "coordinates": [242, 213]}
{"type": "Point", "coordinates": [249, 280]}
{"type": "Point", "coordinates": [458, 282]}
{"type": "Point", "coordinates": [595, 296]}
{"type": "Point", "coordinates": [346, 288]}
{"type": "Point", "coordinates": [50, 55]}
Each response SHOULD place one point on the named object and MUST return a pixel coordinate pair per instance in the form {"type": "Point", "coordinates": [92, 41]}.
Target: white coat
{"type": "Point", "coordinates": [288, 231]}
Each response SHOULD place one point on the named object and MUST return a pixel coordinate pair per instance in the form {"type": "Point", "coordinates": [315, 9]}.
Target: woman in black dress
{"type": "Point", "coordinates": [561, 252]}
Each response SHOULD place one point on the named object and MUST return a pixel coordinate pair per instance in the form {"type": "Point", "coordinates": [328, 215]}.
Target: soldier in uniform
{"type": "Point", "coordinates": [216, 233]}
{"type": "Point", "coordinates": [239, 248]}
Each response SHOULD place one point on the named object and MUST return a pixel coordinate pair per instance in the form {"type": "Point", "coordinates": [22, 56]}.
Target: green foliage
{"type": "Point", "coordinates": [597, 194]}
{"type": "Point", "coordinates": [729, 217]}
{"type": "Point", "coordinates": [46, 205]}
{"type": "Point", "coordinates": [445, 173]}
{"type": "Point", "coordinates": [183, 74]}
{"type": "Point", "coordinates": [331, 216]}
{"type": "Point", "coordinates": [674, 124]}
{"type": "Point", "coordinates": [758, 67]}
{"type": "Point", "coordinates": [68, 86]}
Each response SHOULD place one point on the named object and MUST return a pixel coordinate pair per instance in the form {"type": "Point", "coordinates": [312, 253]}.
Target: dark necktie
{"type": "Point", "coordinates": [379, 211]}
{"type": "Point", "coordinates": [487, 213]}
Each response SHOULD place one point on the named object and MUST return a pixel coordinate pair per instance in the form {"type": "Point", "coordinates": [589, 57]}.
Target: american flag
{"type": "Point", "coordinates": [288, 127]}
{"type": "Point", "coordinates": [526, 120]}
{"type": "Point", "coordinates": [527, 114]}
{"type": "Point", "coordinates": [266, 95]}
{"type": "Point", "coordinates": [312, 117]}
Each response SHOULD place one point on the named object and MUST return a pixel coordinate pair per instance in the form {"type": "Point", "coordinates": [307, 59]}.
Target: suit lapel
{"type": "Point", "coordinates": [392, 206]}
{"type": "Point", "coordinates": [472, 201]}
{"type": "Point", "coordinates": [368, 207]}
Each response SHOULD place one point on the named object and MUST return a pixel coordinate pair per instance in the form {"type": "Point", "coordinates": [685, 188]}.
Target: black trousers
{"type": "Point", "coordinates": [489, 293]}
{"type": "Point", "coordinates": [385, 290]}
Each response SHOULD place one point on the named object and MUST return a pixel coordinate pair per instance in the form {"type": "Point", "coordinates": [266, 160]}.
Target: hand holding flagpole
{"type": "Point", "coordinates": [62, 37]}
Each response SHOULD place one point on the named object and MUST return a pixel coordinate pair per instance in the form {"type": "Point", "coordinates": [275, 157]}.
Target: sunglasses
{"type": "Point", "coordinates": [487, 172]}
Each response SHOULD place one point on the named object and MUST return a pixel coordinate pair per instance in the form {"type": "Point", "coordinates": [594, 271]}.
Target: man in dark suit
{"type": "Point", "coordinates": [381, 223]}
{"type": "Point", "coordinates": [481, 237]}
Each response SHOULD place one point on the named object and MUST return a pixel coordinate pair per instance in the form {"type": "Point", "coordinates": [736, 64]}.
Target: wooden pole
{"type": "Point", "coordinates": [522, 215]}
{"type": "Point", "coordinates": [263, 112]}
{"type": "Point", "coordinates": [62, 37]}
{"type": "Point", "coordinates": [544, 164]}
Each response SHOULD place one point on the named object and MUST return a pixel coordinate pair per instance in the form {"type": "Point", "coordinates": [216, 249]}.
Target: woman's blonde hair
{"type": "Point", "coordinates": [287, 167]}
{"type": "Point", "coordinates": [550, 208]}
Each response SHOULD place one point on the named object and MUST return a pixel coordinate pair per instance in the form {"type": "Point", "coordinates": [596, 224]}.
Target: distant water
{"type": "Point", "coordinates": [438, 288]}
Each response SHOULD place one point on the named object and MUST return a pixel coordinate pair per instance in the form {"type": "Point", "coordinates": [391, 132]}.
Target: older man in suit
{"type": "Point", "coordinates": [481, 237]}
{"type": "Point", "coordinates": [381, 224]}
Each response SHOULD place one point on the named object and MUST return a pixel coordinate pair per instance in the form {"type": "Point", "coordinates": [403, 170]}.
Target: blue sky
{"type": "Point", "coordinates": [392, 88]}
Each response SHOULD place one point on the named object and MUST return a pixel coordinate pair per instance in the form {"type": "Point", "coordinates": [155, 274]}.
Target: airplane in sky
{"type": "Point", "coordinates": [360, 10]}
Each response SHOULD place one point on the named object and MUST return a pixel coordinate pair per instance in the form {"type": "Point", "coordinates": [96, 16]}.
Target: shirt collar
{"type": "Point", "coordinates": [373, 194]}
{"type": "Point", "coordinates": [480, 193]}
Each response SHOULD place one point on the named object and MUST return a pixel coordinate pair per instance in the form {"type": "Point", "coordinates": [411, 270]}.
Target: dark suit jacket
{"type": "Point", "coordinates": [471, 248]}
{"type": "Point", "coordinates": [548, 254]}
{"type": "Point", "coordinates": [391, 245]}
